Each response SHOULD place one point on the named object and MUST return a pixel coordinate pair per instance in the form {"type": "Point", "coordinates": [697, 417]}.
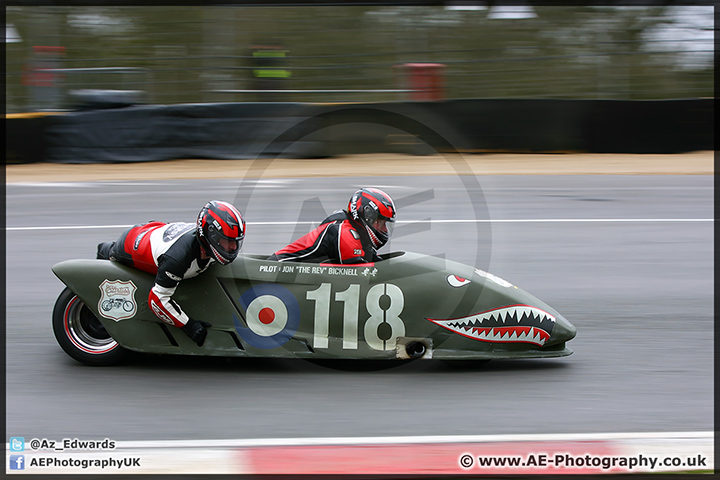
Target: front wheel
{"type": "Point", "coordinates": [80, 333]}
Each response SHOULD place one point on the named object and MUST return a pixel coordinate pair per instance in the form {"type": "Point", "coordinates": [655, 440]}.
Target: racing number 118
{"type": "Point", "coordinates": [351, 301]}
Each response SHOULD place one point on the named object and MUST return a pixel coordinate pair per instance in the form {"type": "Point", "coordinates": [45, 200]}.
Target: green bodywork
{"type": "Point", "coordinates": [262, 308]}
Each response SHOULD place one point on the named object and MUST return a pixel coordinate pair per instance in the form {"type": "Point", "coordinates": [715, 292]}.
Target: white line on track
{"type": "Point", "coordinates": [526, 220]}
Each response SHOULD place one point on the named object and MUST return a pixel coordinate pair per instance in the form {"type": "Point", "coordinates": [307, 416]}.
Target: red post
{"type": "Point", "coordinates": [42, 78]}
{"type": "Point", "coordinates": [426, 80]}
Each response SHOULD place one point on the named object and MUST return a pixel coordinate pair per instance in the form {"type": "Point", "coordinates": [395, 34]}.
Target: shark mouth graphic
{"type": "Point", "coordinates": [511, 324]}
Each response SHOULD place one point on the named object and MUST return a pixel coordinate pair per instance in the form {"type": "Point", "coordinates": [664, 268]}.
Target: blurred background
{"type": "Point", "coordinates": [170, 55]}
{"type": "Point", "coordinates": [241, 82]}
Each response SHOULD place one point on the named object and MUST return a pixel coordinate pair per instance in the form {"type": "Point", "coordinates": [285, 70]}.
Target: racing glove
{"type": "Point", "coordinates": [197, 331]}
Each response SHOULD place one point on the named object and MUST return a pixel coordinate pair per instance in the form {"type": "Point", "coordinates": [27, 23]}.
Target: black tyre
{"type": "Point", "coordinates": [80, 333]}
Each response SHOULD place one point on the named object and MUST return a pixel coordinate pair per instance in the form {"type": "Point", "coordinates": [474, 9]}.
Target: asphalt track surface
{"type": "Point", "coordinates": [627, 259]}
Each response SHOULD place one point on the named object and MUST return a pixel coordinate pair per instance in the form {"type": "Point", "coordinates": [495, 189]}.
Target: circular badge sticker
{"type": "Point", "coordinates": [272, 315]}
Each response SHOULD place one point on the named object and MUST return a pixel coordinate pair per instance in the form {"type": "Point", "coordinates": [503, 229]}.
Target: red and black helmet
{"type": "Point", "coordinates": [221, 229]}
{"type": "Point", "coordinates": [375, 210]}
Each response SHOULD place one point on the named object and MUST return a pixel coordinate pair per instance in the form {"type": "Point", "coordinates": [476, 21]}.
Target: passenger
{"type": "Point", "coordinates": [176, 251]}
{"type": "Point", "coordinates": [347, 236]}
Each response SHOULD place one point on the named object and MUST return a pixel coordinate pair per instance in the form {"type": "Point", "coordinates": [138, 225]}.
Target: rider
{"type": "Point", "coordinates": [347, 236]}
{"type": "Point", "coordinates": [176, 251]}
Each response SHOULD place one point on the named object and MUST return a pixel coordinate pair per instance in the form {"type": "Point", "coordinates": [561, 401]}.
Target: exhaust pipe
{"type": "Point", "coordinates": [415, 349]}
{"type": "Point", "coordinates": [410, 348]}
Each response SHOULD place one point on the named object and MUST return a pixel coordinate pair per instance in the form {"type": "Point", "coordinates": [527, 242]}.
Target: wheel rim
{"type": "Point", "coordinates": [84, 329]}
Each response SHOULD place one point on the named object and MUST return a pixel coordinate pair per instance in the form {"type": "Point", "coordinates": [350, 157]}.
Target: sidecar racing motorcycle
{"type": "Point", "coordinates": [404, 307]}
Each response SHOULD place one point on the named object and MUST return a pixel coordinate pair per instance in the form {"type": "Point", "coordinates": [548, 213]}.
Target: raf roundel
{"type": "Point", "coordinates": [272, 315]}
{"type": "Point", "coordinates": [266, 315]}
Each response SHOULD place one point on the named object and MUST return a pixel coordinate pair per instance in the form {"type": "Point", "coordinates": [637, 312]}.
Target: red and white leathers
{"type": "Point", "coordinates": [170, 251]}
{"type": "Point", "coordinates": [338, 239]}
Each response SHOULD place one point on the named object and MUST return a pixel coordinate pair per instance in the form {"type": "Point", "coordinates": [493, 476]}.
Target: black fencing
{"type": "Point", "coordinates": [299, 130]}
{"type": "Point", "coordinates": [152, 133]}
{"type": "Point", "coordinates": [593, 126]}
{"type": "Point", "coordinates": [25, 138]}
{"type": "Point", "coordinates": [668, 126]}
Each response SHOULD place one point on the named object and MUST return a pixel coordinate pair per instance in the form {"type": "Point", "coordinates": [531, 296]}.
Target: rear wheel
{"type": "Point", "coordinates": [80, 333]}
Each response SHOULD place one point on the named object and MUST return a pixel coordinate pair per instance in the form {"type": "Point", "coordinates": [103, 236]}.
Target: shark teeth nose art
{"type": "Point", "coordinates": [511, 324]}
